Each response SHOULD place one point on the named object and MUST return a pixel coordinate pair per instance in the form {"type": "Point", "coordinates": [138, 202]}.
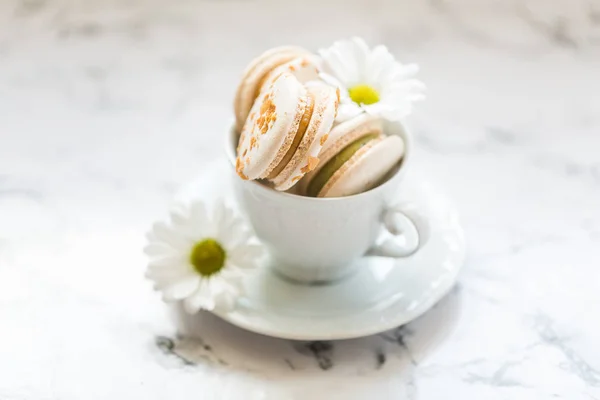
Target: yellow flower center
{"type": "Point", "coordinates": [363, 94]}
{"type": "Point", "coordinates": [207, 257]}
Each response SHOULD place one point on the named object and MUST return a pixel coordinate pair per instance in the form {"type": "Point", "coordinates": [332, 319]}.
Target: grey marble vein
{"type": "Point", "coordinates": [575, 364]}
{"type": "Point", "coordinates": [497, 379]}
{"type": "Point", "coordinates": [322, 352]}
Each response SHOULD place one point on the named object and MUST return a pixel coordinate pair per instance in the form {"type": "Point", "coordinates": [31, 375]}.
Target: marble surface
{"type": "Point", "coordinates": [108, 107]}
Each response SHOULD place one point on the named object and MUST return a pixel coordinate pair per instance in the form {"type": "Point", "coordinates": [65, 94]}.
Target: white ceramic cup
{"type": "Point", "coordinates": [315, 240]}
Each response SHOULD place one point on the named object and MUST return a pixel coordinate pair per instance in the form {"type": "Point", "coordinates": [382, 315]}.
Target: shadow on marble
{"type": "Point", "coordinates": [205, 339]}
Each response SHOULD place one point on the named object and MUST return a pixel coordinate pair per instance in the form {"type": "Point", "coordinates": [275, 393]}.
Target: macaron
{"type": "Point", "coordinates": [285, 131]}
{"type": "Point", "coordinates": [357, 156]}
{"type": "Point", "coordinates": [264, 68]}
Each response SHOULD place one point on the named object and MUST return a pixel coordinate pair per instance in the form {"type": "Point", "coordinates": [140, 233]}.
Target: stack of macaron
{"type": "Point", "coordinates": [289, 138]}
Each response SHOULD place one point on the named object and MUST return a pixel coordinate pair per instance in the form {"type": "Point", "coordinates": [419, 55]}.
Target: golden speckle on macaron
{"type": "Point", "coordinates": [268, 114]}
{"type": "Point", "coordinates": [312, 164]}
{"type": "Point", "coordinates": [239, 166]}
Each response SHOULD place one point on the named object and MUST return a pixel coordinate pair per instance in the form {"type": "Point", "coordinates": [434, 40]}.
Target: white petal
{"type": "Point", "coordinates": [336, 65]}
{"type": "Point", "coordinates": [379, 64]}
{"type": "Point", "coordinates": [180, 215]}
{"type": "Point", "coordinates": [361, 53]}
{"type": "Point", "coordinates": [159, 250]}
{"type": "Point", "coordinates": [349, 60]}
{"type": "Point", "coordinates": [406, 86]}
{"type": "Point", "coordinates": [175, 261]}
{"type": "Point", "coordinates": [226, 295]}
{"type": "Point", "coordinates": [416, 85]}
{"type": "Point", "coordinates": [406, 71]}
{"type": "Point", "coordinates": [183, 223]}
{"type": "Point", "coordinates": [234, 230]}
{"type": "Point", "coordinates": [347, 111]}
{"type": "Point", "coordinates": [218, 212]}
{"type": "Point", "coordinates": [228, 234]}
{"type": "Point", "coordinates": [416, 97]}
{"type": "Point", "coordinates": [168, 273]}
{"type": "Point", "coordinates": [246, 256]}
{"type": "Point", "coordinates": [221, 284]}
{"type": "Point", "coordinates": [163, 233]}
{"type": "Point", "coordinates": [229, 216]}
{"type": "Point", "coordinates": [228, 286]}
{"type": "Point", "coordinates": [360, 44]}
{"type": "Point", "coordinates": [221, 218]}
{"type": "Point", "coordinates": [238, 235]}
{"type": "Point", "coordinates": [226, 301]}
{"type": "Point", "coordinates": [375, 109]}
{"type": "Point", "coordinates": [181, 289]}
{"type": "Point", "coordinates": [198, 212]}
{"type": "Point", "coordinates": [340, 61]}
{"type": "Point", "coordinates": [210, 293]}
{"type": "Point", "coordinates": [151, 237]}
{"type": "Point", "coordinates": [199, 222]}
{"type": "Point", "coordinates": [233, 275]}
{"type": "Point", "coordinates": [396, 114]}
{"type": "Point", "coordinates": [332, 81]}
{"type": "Point", "coordinates": [162, 281]}
{"type": "Point", "coordinates": [160, 274]}
{"type": "Point", "coordinates": [200, 299]}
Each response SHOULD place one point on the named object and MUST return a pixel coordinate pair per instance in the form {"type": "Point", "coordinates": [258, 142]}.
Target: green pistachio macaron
{"type": "Point", "coordinates": [356, 158]}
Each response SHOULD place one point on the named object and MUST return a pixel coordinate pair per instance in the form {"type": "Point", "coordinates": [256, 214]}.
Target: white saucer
{"type": "Point", "coordinates": [383, 294]}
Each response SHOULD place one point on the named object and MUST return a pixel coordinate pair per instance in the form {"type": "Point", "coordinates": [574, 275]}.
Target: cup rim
{"type": "Point", "coordinates": [231, 157]}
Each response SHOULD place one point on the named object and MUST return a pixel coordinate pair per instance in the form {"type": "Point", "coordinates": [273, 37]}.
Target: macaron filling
{"type": "Point", "coordinates": [302, 127]}
{"type": "Point", "coordinates": [330, 168]}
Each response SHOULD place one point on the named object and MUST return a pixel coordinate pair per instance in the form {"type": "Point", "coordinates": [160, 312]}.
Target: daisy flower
{"type": "Point", "coordinates": [199, 259]}
{"type": "Point", "coordinates": [370, 81]}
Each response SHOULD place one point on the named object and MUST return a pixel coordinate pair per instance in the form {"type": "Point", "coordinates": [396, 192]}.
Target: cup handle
{"type": "Point", "coordinates": [401, 236]}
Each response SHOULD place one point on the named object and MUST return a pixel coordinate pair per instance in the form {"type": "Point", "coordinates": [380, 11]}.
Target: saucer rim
{"type": "Point", "coordinates": [338, 335]}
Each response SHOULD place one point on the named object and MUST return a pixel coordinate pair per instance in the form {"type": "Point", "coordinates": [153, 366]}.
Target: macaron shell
{"type": "Point", "coordinates": [270, 128]}
{"type": "Point", "coordinates": [365, 168]}
{"type": "Point", "coordinates": [254, 74]}
{"type": "Point", "coordinates": [341, 136]}
{"type": "Point", "coordinates": [271, 52]}
{"type": "Point", "coordinates": [304, 68]}
{"type": "Point", "coordinates": [306, 157]}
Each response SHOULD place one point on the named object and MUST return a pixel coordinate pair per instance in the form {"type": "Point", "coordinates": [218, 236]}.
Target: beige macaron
{"type": "Point", "coordinates": [264, 69]}
{"type": "Point", "coordinates": [356, 158]}
{"type": "Point", "coordinates": [285, 131]}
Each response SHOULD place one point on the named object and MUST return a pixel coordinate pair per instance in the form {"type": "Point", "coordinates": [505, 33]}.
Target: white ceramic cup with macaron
{"type": "Point", "coordinates": [317, 239]}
